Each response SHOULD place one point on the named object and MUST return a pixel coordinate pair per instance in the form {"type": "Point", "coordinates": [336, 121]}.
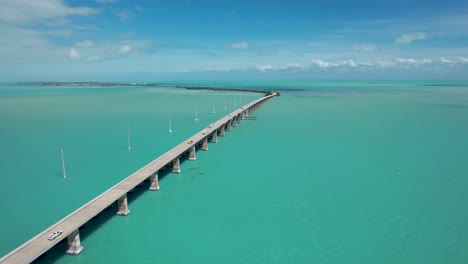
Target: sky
{"type": "Point", "coordinates": [140, 40]}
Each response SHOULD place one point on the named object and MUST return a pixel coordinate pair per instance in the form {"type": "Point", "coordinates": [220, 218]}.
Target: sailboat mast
{"type": "Point", "coordinates": [63, 165]}
{"type": "Point", "coordinates": [128, 139]}
{"type": "Point", "coordinates": [196, 112]}
{"type": "Point", "coordinates": [214, 110]}
{"type": "Point", "coordinates": [170, 125]}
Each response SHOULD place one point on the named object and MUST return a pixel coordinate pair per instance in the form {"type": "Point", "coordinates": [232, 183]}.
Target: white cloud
{"type": "Point", "coordinates": [139, 8]}
{"type": "Point", "coordinates": [340, 63]}
{"type": "Point", "coordinates": [28, 12]}
{"type": "Point", "coordinates": [463, 59]}
{"type": "Point", "coordinates": [94, 58]}
{"type": "Point", "coordinates": [74, 54]}
{"type": "Point", "coordinates": [413, 61]}
{"type": "Point", "coordinates": [125, 49]}
{"type": "Point", "coordinates": [59, 32]}
{"type": "Point", "coordinates": [365, 48]}
{"type": "Point", "coordinates": [347, 63]}
{"type": "Point", "coordinates": [266, 67]}
{"type": "Point", "coordinates": [85, 44]}
{"type": "Point", "coordinates": [26, 45]}
{"type": "Point", "coordinates": [125, 15]}
{"type": "Point", "coordinates": [239, 45]}
{"type": "Point", "coordinates": [408, 38]}
{"type": "Point", "coordinates": [293, 65]}
{"type": "Point", "coordinates": [444, 60]}
{"type": "Point", "coordinates": [323, 64]}
{"type": "Point", "coordinates": [386, 64]}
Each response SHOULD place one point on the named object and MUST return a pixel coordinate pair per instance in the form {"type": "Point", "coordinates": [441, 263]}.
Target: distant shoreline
{"type": "Point", "coordinates": [110, 84]}
{"type": "Point", "coordinates": [102, 84]}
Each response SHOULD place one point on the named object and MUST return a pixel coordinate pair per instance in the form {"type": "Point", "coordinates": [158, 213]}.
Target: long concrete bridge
{"type": "Point", "coordinates": [71, 224]}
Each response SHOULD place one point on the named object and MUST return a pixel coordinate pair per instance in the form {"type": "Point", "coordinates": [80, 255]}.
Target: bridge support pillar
{"type": "Point", "coordinates": [123, 205]}
{"type": "Point", "coordinates": [239, 118]}
{"type": "Point", "coordinates": [221, 132]}
{"type": "Point", "coordinates": [228, 125]}
{"type": "Point", "coordinates": [234, 121]}
{"type": "Point", "coordinates": [192, 153]}
{"type": "Point", "coordinates": [176, 166]}
{"type": "Point", "coordinates": [205, 144]}
{"type": "Point", "coordinates": [154, 180]}
{"type": "Point", "coordinates": [214, 137]}
{"type": "Point", "coordinates": [73, 243]}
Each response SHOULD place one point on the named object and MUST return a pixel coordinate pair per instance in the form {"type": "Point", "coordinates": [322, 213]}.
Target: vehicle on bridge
{"type": "Point", "coordinates": [55, 234]}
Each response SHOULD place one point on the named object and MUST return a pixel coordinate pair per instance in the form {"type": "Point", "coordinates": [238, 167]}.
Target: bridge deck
{"type": "Point", "coordinates": [39, 244]}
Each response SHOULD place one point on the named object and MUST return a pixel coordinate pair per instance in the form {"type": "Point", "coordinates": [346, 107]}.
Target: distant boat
{"type": "Point", "coordinates": [196, 113]}
{"type": "Point", "coordinates": [128, 139]}
{"type": "Point", "coordinates": [235, 100]}
{"type": "Point", "coordinates": [63, 165]}
{"type": "Point", "coordinates": [214, 110]}
{"type": "Point", "coordinates": [240, 99]}
{"type": "Point", "coordinates": [225, 102]}
{"type": "Point", "coordinates": [170, 125]}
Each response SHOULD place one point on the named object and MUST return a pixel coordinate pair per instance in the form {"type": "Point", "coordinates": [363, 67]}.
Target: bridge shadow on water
{"type": "Point", "coordinates": [56, 253]}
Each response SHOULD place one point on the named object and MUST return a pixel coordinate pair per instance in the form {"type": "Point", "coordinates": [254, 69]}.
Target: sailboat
{"type": "Point", "coordinates": [240, 99]}
{"type": "Point", "coordinates": [214, 110]}
{"type": "Point", "coordinates": [128, 139]}
{"type": "Point", "coordinates": [170, 125]}
{"type": "Point", "coordinates": [63, 165]}
{"type": "Point", "coordinates": [225, 102]}
{"type": "Point", "coordinates": [196, 113]}
{"type": "Point", "coordinates": [235, 100]}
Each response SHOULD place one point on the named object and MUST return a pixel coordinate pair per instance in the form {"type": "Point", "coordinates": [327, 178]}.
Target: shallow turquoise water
{"type": "Point", "coordinates": [330, 172]}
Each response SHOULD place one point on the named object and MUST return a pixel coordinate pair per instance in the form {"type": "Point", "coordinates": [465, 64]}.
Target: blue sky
{"type": "Point", "coordinates": [152, 40]}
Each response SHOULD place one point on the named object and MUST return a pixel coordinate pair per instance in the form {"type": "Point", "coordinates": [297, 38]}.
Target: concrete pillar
{"type": "Point", "coordinates": [239, 118]}
{"type": "Point", "coordinates": [73, 243]}
{"type": "Point", "coordinates": [176, 166]}
{"type": "Point", "coordinates": [221, 132]}
{"type": "Point", "coordinates": [214, 137]}
{"type": "Point", "coordinates": [154, 180]}
{"type": "Point", "coordinates": [123, 205]}
{"type": "Point", "coordinates": [228, 125]}
{"type": "Point", "coordinates": [192, 153]}
{"type": "Point", "coordinates": [205, 144]}
{"type": "Point", "coordinates": [234, 121]}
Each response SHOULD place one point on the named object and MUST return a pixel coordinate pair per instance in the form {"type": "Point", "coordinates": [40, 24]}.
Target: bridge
{"type": "Point", "coordinates": [71, 224]}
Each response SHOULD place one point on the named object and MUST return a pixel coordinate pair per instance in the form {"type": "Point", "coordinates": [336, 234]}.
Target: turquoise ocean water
{"type": "Point", "coordinates": [329, 172]}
